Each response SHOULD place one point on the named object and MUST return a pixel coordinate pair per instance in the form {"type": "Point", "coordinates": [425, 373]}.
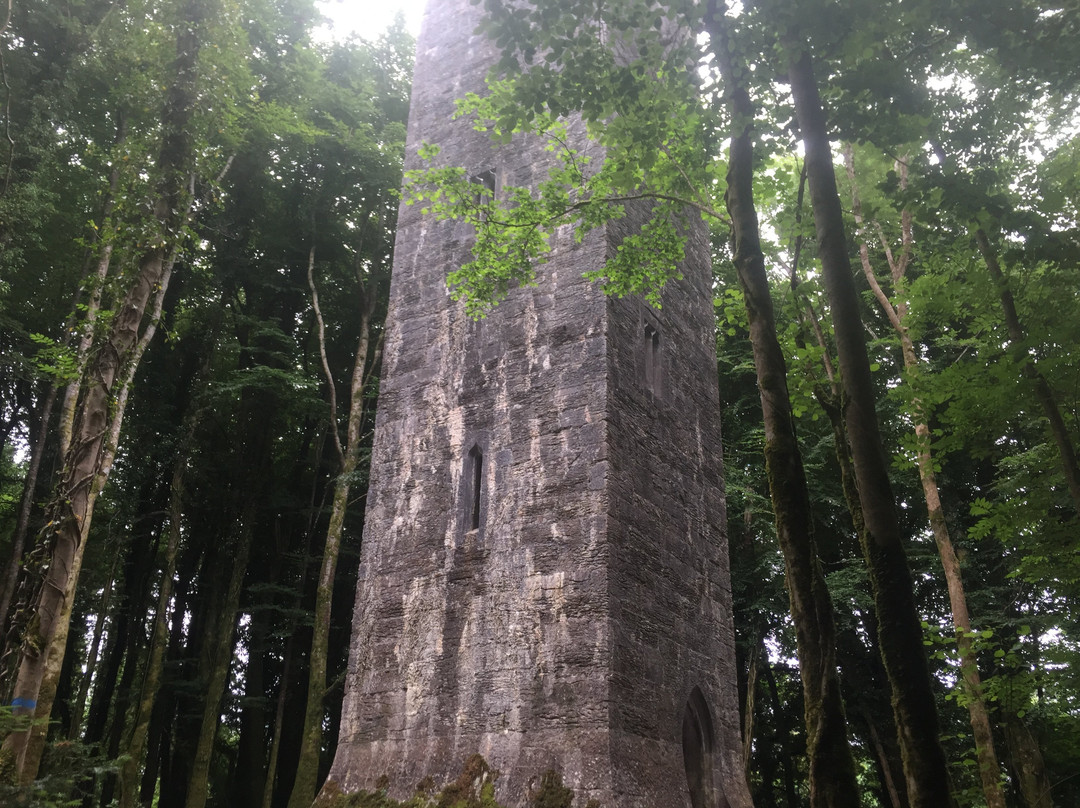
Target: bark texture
{"type": "Point", "coordinates": [899, 625]}
{"type": "Point", "coordinates": [307, 772]}
{"type": "Point", "coordinates": [832, 769]}
{"type": "Point", "coordinates": [98, 416]}
{"type": "Point", "coordinates": [1028, 765]}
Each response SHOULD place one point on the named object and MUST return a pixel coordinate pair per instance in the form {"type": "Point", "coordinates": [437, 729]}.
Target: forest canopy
{"type": "Point", "coordinates": [196, 227]}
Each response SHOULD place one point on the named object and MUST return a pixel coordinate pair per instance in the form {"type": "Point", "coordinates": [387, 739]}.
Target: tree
{"type": "Point", "coordinates": [103, 397]}
{"type": "Point", "coordinates": [897, 316]}
{"type": "Point", "coordinates": [832, 774]}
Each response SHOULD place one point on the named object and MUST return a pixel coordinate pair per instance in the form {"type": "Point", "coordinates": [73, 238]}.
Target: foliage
{"type": "Point", "coordinates": [66, 766]}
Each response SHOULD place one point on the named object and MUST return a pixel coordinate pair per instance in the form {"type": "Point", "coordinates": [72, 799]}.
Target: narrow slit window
{"type": "Point", "coordinates": [651, 349]}
{"type": "Point", "coordinates": [476, 468]}
{"type": "Point", "coordinates": [485, 192]}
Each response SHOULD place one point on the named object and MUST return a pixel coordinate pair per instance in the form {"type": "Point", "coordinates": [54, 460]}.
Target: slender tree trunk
{"type": "Point", "coordinates": [748, 712]}
{"type": "Point", "coordinates": [141, 572]}
{"type": "Point", "coordinates": [69, 407]}
{"type": "Point", "coordinates": [316, 503]}
{"type": "Point", "coordinates": [862, 684]}
{"type": "Point", "coordinates": [216, 654]}
{"type": "Point", "coordinates": [92, 658]}
{"type": "Point", "coordinates": [883, 761]}
{"type": "Point", "coordinates": [787, 756]}
{"type": "Point", "coordinates": [989, 770]}
{"type": "Point", "coordinates": [1051, 410]}
{"type": "Point", "coordinates": [832, 769]}
{"type": "Point", "coordinates": [307, 772]}
{"type": "Point", "coordinates": [26, 506]}
{"type": "Point", "coordinates": [87, 328]}
{"type": "Point", "coordinates": [116, 664]}
{"type": "Point", "coordinates": [219, 653]}
{"type": "Point", "coordinates": [900, 629]}
{"type": "Point", "coordinates": [140, 722]}
{"type": "Point", "coordinates": [164, 720]}
{"type": "Point", "coordinates": [60, 720]}
{"type": "Point", "coordinates": [279, 720]}
{"type": "Point", "coordinates": [864, 673]}
{"type": "Point", "coordinates": [247, 781]}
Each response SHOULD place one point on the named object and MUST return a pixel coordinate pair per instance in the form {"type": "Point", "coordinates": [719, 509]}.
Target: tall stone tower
{"type": "Point", "coordinates": [544, 574]}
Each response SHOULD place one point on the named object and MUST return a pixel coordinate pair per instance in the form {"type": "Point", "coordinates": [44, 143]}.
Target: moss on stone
{"type": "Point", "coordinates": [551, 793]}
{"type": "Point", "coordinates": [473, 788]}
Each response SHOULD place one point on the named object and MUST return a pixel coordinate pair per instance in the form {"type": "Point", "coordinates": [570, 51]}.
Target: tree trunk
{"type": "Point", "coordinates": [247, 782]}
{"type": "Point", "coordinates": [142, 573]}
{"type": "Point", "coordinates": [140, 722]}
{"type": "Point", "coordinates": [307, 772]}
{"type": "Point", "coordinates": [60, 720]}
{"type": "Point", "coordinates": [279, 723]}
{"type": "Point", "coordinates": [117, 664]}
{"type": "Point", "coordinates": [787, 756]}
{"type": "Point", "coordinates": [218, 659]}
{"type": "Point", "coordinates": [899, 625]}
{"type": "Point", "coordinates": [26, 506]}
{"type": "Point", "coordinates": [1027, 762]}
{"type": "Point", "coordinates": [316, 503]}
{"type": "Point", "coordinates": [832, 769]}
{"type": "Point", "coordinates": [748, 711]}
{"type": "Point", "coordinates": [100, 412]}
{"type": "Point", "coordinates": [92, 657]}
{"type": "Point", "coordinates": [88, 326]}
{"type": "Point", "coordinates": [164, 719]}
{"type": "Point", "coordinates": [863, 672]}
{"type": "Point", "coordinates": [989, 770]}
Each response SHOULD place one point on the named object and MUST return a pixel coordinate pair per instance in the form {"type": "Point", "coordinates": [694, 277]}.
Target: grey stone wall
{"type": "Point", "coordinates": [568, 629]}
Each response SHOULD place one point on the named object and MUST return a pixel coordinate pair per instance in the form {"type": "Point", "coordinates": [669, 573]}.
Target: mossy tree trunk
{"type": "Point", "coordinates": [832, 769]}
{"type": "Point", "coordinates": [99, 415]}
{"type": "Point", "coordinates": [899, 625]}
{"type": "Point", "coordinates": [348, 453]}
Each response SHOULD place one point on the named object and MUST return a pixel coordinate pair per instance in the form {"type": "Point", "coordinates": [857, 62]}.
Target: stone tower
{"type": "Point", "coordinates": [544, 574]}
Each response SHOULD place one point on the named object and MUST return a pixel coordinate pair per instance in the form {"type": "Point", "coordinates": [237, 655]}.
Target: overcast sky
{"type": "Point", "coordinates": [369, 18]}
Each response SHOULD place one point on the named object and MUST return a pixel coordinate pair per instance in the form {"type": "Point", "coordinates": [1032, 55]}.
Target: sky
{"type": "Point", "coordinates": [369, 18]}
